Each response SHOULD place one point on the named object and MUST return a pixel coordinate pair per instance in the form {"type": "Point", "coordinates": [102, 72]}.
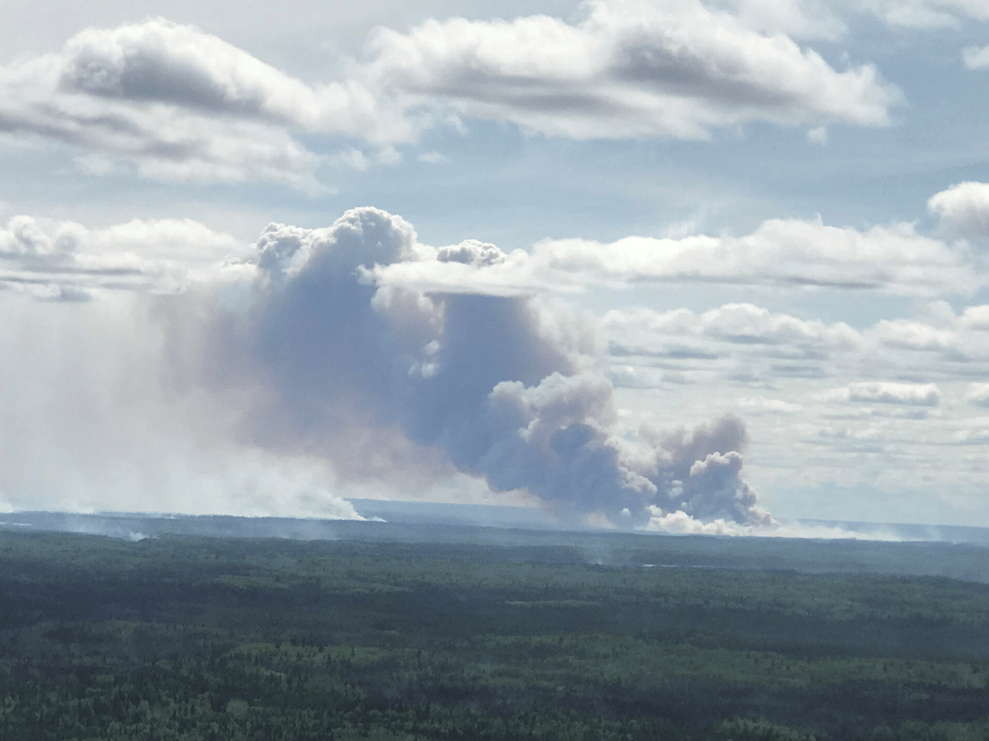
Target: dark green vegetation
{"type": "Point", "coordinates": [196, 638]}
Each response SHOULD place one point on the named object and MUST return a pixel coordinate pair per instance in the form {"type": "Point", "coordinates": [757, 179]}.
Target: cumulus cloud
{"type": "Point", "coordinates": [723, 340]}
{"type": "Point", "coordinates": [629, 69]}
{"type": "Point", "coordinates": [963, 208]}
{"type": "Point", "coordinates": [162, 62]}
{"type": "Point", "coordinates": [740, 324]}
{"type": "Point", "coordinates": [762, 405]}
{"type": "Point", "coordinates": [976, 318]}
{"type": "Point", "coordinates": [861, 439]}
{"type": "Point", "coordinates": [386, 382]}
{"type": "Point", "coordinates": [172, 102]}
{"type": "Point", "coordinates": [180, 104]}
{"type": "Point", "coordinates": [906, 334]}
{"type": "Point", "coordinates": [65, 260]}
{"type": "Point", "coordinates": [751, 345]}
{"type": "Point", "coordinates": [889, 392]}
{"type": "Point", "coordinates": [472, 252]}
{"type": "Point", "coordinates": [792, 253]}
{"type": "Point", "coordinates": [786, 253]}
{"type": "Point", "coordinates": [923, 347]}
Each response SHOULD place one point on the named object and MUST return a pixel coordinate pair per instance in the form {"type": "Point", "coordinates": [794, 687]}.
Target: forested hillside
{"type": "Point", "coordinates": [196, 638]}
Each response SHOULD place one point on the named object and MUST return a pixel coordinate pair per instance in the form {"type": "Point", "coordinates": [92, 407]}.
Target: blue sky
{"type": "Point", "coordinates": [584, 228]}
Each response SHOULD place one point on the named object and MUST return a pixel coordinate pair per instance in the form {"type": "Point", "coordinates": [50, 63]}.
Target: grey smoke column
{"type": "Point", "coordinates": [392, 381]}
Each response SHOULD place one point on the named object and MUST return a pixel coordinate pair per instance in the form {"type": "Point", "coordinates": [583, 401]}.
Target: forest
{"type": "Point", "coordinates": [189, 637]}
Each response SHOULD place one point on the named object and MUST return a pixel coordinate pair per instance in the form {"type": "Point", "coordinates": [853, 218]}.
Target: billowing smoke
{"type": "Point", "coordinates": [394, 381]}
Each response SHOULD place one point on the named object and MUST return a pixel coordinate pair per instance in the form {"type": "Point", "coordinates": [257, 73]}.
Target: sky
{"type": "Point", "coordinates": [673, 266]}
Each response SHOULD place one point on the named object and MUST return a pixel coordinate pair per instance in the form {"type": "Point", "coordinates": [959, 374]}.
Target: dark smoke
{"type": "Point", "coordinates": [392, 382]}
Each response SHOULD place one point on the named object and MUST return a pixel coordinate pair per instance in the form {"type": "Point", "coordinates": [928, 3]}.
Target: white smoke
{"type": "Point", "coordinates": [680, 523]}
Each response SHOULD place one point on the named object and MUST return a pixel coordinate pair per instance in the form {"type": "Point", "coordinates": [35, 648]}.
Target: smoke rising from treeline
{"type": "Point", "coordinates": [396, 382]}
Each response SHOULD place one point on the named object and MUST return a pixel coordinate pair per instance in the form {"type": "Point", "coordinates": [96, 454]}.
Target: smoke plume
{"type": "Point", "coordinates": [316, 357]}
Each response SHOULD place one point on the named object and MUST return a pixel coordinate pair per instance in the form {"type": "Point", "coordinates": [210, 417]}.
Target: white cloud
{"type": "Point", "coordinates": [888, 392]}
{"type": "Point", "coordinates": [806, 19]}
{"type": "Point", "coordinates": [976, 57]}
{"type": "Point", "coordinates": [867, 434]}
{"type": "Point", "coordinates": [862, 414]}
{"type": "Point", "coordinates": [963, 208]}
{"type": "Point", "coordinates": [973, 432]}
{"type": "Point", "coordinates": [182, 105]}
{"type": "Point", "coordinates": [911, 335]}
{"type": "Point", "coordinates": [763, 405]}
{"type": "Point", "coordinates": [162, 62]}
{"type": "Point", "coordinates": [794, 253]}
{"type": "Point", "coordinates": [632, 377]}
{"type": "Point", "coordinates": [976, 318]}
{"type": "Point", "coordinates": [177, 104]}
{"type": "Point", "coordinates": [978, 394]}
{"type": "Point", "coordinates": [782, 253]}
{"type": "Point", "coordinates": [740, 325]}
{"type": "Point", "coordinates": [629, 69]}
{"type": "Point", "coordinates": [925, 347]}
{"type": "Point", "coordinates": [735, 343]}
{"type": "Point", "coordinates": [754, 324]}
{"type": "Point", "coordinates": [65, 260]}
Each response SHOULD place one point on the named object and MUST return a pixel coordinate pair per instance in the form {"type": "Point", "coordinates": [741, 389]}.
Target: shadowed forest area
{"type": "Point", "coordinates": [185, 637]}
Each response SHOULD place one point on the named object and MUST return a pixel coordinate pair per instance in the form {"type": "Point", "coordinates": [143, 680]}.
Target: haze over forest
{"type": "Point", "coordinates": [682, 266]}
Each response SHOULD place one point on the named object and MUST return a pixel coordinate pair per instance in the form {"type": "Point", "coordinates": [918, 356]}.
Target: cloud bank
{"type": "Point", "coordinates": [180, 104]}
{"type": "Point", "coordinates": [63, 260]}
{"type": "Point", "coordinates": [175, 103]}
{"type": "Point", "coordinates": [781, 253]}
{"type": "Point", "coordinates": [629, 69]}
